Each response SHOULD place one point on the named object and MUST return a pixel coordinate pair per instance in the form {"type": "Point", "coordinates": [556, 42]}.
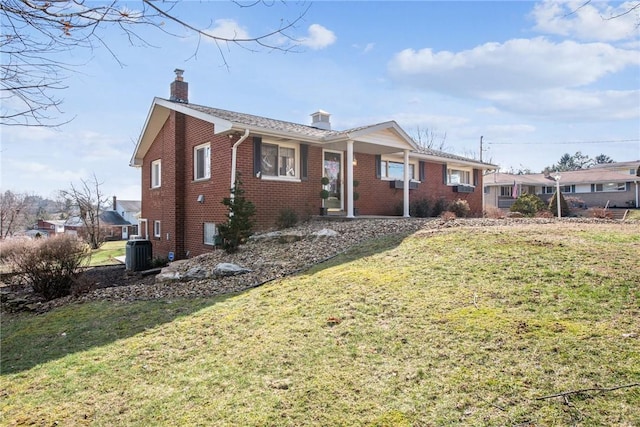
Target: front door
{"type": "Point", "coordinates": [332, 169]}
{"type": "Point", "coordinates": [125, 233]}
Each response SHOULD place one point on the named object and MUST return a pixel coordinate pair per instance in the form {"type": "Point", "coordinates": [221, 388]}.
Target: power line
{"type": "Point", "coordinates": [566, 142]}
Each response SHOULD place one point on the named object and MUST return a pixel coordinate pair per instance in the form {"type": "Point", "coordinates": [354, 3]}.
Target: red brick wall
{"type": "Point", "coordinates": [182, 216]}
{"type": "Point", "coordinates": [271, 197]}
{"type": "Point", "coordinates": [377, 198]}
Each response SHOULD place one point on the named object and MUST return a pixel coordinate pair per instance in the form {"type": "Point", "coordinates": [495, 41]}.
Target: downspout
{"type": "Point", "coordinates": [637, 204]}
{"type": "Point", "coordinates": [234, 157]}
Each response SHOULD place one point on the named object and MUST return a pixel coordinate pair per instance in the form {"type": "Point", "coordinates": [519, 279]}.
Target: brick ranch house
{"type": "Point", "coordinates": [190, 154]}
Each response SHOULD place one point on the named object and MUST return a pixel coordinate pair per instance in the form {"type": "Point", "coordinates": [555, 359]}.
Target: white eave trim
{"type": "Point", "coordinates": [450, 161]}
{"type": "Point", "coordinates": [151, 128]}
{"type": "Point", "coordinates": [355, 135]}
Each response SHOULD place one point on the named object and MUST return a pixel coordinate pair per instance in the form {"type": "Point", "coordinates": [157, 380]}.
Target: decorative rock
{"type": "Point", "coordinates": [290, 237]}
{"type": "Point", "coordinates": [273, 235]}
{"type": "Point", "coordinates": [167, 274]}
{"type": "Point", "coordinates": [325, 232]}
{"type": "Point", "coordinates": [225, 269]}
{"type": "Point", "coordinates": [196, 273]}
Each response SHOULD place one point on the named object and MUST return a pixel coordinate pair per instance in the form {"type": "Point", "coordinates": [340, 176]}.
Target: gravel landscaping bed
{"type": "Point", "coordinates": [267, 256]}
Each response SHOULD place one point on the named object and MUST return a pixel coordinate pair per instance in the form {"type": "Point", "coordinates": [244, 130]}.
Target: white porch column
{"type": "Point", "coordinates": [406, 184]}
{"type": "Point", "coordinates": [349, 179]}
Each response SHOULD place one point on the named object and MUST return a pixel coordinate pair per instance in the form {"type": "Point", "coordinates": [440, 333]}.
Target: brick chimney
{"type": "Point", "coordinates": [179, 88]}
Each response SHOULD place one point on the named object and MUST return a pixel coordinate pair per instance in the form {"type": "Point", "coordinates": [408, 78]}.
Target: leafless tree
{"type": "Point", "coordinates": [628, 8]}
{"type": "Point", "coordinates": [89, 202]}
{"type": "Point", "coordinates": [429, 139]}
{"type": "Point", "coordinates": [13, 211]}
{"type": "Point", "coordinates": [35, 33]}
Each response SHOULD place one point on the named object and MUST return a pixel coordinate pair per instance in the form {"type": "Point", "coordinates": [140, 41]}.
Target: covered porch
{"type": "Point", "coordinates": [340, 160]}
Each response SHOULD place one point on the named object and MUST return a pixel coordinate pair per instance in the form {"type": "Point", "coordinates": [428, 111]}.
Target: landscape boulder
{"type": "Point", "coordinates": [176, 272]}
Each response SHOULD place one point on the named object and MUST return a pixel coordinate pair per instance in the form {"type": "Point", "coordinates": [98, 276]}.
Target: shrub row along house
{"type": "Point", "coordinates": [190, 156]}
{"type": "Point", "coordinates": [615, 185]}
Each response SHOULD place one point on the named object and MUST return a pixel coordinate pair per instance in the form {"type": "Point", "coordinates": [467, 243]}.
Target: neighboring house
{"type": "Point", "coordinates": [613, 184]}
{"type": "Point", "coordinates": [50, 227]}
{"type": "Point", "coordinates": [112, 224]}
{"type": "Point", "coordinates": [190, 154]}
{"type": "Point", "coordinates": [130, 212]}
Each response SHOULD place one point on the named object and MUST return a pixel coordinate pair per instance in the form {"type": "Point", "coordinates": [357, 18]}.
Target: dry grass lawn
{"type": "Point", "coordinates": [468, 326]}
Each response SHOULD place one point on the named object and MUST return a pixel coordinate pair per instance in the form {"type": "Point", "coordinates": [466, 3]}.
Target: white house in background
{"type": "Point", "coordinates": [614, 185]}
{"type": "Point", "coordinates": [130, 212]}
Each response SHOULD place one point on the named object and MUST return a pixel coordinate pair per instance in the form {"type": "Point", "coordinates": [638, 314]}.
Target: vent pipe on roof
{"type": "Point", "coordinates": [179, 88]}
{"type": "Point", "coordinates": [320, 120]}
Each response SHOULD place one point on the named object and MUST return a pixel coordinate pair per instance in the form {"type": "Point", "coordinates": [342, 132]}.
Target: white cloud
{"type": "Point", "coordinates": [575, 105]}
{"type": "Point", "coordinates": [30, 169]}
{"type": "Point", "coordinates": [319, 37]}
{"type": "Point", "coordinates": [432, 121]}
{"type": "Point", "coordinates": [228, 29]}
{"type": "Point", "coordinates": [366, 49]}
{"type": "Point", "coordinates": [586, 21]}
{"type": "Point", "coordinates": [497, 131]}
{"type": "Point", "coordinates": [534, 76]}
{"type": "Point", "coordinates": [514, 65]}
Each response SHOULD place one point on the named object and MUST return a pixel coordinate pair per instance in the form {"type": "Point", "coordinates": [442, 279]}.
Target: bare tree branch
{"type": "Point", "coordinates": [428, 139]}
{"type": "Point", "coordinates": [13, 208]}
{"type": "Point", "coordinates": [89, 202]}
{"type": "Point", "coordinates": [35, 33]}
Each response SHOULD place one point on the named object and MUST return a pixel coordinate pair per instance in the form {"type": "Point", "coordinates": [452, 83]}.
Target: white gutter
{"type": "Point", "coordinates": [234, 156]}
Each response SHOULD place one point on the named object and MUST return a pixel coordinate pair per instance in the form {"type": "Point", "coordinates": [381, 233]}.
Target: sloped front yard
{"type": "Point", "coordinates": [469, 325]}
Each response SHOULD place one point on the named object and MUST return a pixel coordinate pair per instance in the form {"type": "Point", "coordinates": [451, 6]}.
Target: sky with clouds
{"type": "Point", "coordinates": [534, 79]}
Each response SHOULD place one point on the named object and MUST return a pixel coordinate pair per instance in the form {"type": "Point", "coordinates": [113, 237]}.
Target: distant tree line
{"type": "Point", "coordinates": [576, 162]}
{"type": "Point", "coordinates": [569, 162]}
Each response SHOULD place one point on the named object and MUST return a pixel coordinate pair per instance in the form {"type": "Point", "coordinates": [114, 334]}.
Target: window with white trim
{"type": "Point", "coordinates": [156, 228]}
{"type": "Point", "coordinates": [210, 232]}
{"type": "Point", "coordinates": [156, 173]}
{"type": "Point", "coordinates": [611, 186]}
{"type": "Point", "coordinates": [459, 176]}
{"type": "Point", "coordinates": [552, 189]}
{"type": "Point", "coordinates": [506, 191]}
{"type": "Point", "coordinates": [395, 170]}
{"type": "Point", "coordinates": [202, 162]}
{"type": "Point", "coordinates": [279, 160]}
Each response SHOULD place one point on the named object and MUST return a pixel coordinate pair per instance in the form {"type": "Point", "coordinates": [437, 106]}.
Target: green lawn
{"type": "Point", "coordinates": [458, 327]}
{"type": "Point", "coordinates": [107, 252]}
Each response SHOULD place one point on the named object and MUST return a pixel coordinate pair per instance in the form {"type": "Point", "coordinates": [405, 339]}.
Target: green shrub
{"type": "Point", "coordinates": [239, 225]}
{"type": "Point", "coordinates": [287, 218]}
{"type": "Point", "coordinates": [157, 262]}
{"type": "Point", "coordinates": [460, 208]}
{"type": "Point", "coordinates": [420, 208]}
{"type": "Point", "coordinates": [553, 205]}
{"type": "Point", "coordinates": [50, 265]}
{"type": "Point", "coordinates": [424, 208]}
{"type": "Point", "coordinates": [528, 205]}
{"type": "Point", "coordinates": [439, 206]}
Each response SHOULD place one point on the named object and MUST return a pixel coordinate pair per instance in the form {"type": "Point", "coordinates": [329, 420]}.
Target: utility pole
{"type": "Point", "coordinates": [481, 148]}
